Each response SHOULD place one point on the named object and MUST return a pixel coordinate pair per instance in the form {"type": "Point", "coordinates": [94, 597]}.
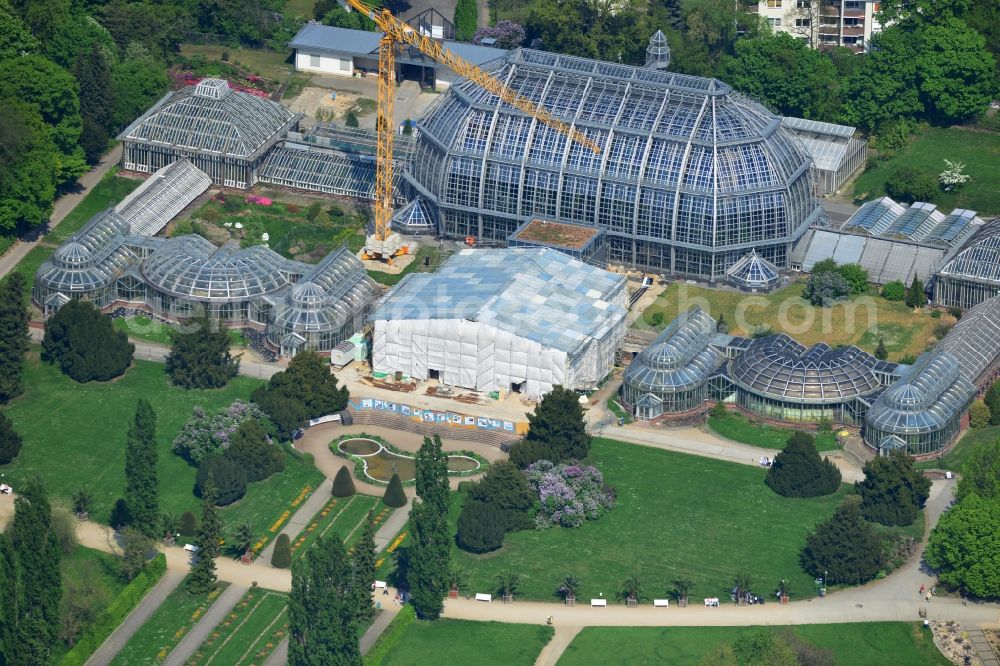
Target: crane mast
{"type": "Point", "coordinates": [384, 244]}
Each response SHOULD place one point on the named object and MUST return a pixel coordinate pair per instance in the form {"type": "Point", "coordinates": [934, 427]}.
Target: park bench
{"type": "Point", "coordinates": [712, 602]}
{"type": "Point", "coordinates": [599, 602]}
{"type": "Point", "coordinates": [488, 598]}
{"type": "Point", "coordinates": [661, 603]}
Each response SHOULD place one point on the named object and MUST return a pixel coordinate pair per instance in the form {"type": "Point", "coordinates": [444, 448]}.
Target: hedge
{"type": "Point", "coordinates": [116, 613]}
{"type": "Point", "coordinates": [390, 637]}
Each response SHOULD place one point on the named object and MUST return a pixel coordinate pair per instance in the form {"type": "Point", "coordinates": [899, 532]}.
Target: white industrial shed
{"type": "Point", "coordinates": [524, 319]}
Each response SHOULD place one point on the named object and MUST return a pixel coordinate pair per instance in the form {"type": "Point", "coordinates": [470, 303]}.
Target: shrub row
{"type": "Point", "coordinates": [390, 637]}
{"type": "Point", "coordinates": [114, 614]}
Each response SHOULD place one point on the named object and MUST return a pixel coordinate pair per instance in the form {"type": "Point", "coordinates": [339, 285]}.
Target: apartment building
{"type": "Point", "coordinates": [822, 23]}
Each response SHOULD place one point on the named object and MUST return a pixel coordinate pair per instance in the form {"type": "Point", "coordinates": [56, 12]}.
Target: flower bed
{"type": "Point", "coordinates": [361, 464]}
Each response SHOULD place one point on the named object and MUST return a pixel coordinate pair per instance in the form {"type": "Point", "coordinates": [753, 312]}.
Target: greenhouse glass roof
{"type": "Point", "coordinates": [191, 267]}
{"type": "Point", "coordinates": [162, 196]}
{"type": "Point", "coordinates": [91, 259]}
{"type": "Point", "coordinates": [980, 259]}
{"type": "Point", "coordinates": [781, 368]}
{"type": "Point", "coordinates": [681, 358]}
{"type": "Point", "coordinates": [327, 297]}
{"type": "Point", "coordinates": [826, 142]}
{"type": "Point", "coordinates": [211, 117]}
{"type": "Point", "coordinates": [921, 222]}
{"type": "Point", "coordinates": [926, 399]}
{"type": "Point", "coordinates": [536, 293]}
{"type": "Point", "coordinates": [975, 339]}
{"type": "Point", "coordinates": [753, 271]}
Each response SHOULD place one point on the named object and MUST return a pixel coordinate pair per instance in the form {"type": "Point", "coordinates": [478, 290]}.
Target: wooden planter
{"type": "Point", "coordinates": [453, 593]}
{"type": "Point", "coordinates": [83, 516]}
{"type": "Point", "coordinates": [570, 600]}
{"type": "Point", "coordinates": [169, 541]}
{"type": "Point", "coordinates": [632, 602]}
{"type": "Point", "coordinates": [682, 603]}
{"type": "Point", "coordinates": [783, 600]}
{"type": "Point", "coordinates": [247, 557]}
{"type": "Point", "coordinates": [507, 598]}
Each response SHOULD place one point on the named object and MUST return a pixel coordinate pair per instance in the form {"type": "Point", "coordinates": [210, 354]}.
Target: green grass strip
{"type": "Point", "coordinates": [391, 637]}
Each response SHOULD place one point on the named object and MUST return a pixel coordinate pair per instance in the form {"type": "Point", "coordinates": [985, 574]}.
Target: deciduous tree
{"type": "Point", "coordinates": [979, 414]}
{"type": "Point", "coordinates": [250, 449]}
{"type": "Point", "coordinates": [964, 546]}
{"type": "Point", "coordinates": [306, 390]}
{"type": "Point", "coordinates": [430, 549]}
{"type": "Point", "coordinates": [981, 472]}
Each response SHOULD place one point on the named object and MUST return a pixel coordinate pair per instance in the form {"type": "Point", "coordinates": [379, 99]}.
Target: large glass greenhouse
{"type": "Point", "coordinates": [690, 177]}
{"type": "Point", "coordinates": [781, 379]}
{"type": "Point", "coordinates": [672, 375]}
{"type": "Point", "coordinates": [921, 412]}
{"type": "Point", "coordinates": [225, 133]}
{"type": "Point", "coordinates": [972, 275]}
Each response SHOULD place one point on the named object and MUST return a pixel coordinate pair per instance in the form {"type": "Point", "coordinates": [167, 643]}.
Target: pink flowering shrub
{"type": "Point", "coordinates": [568, 493]}
{"type": "Point", "coordinates": [205, 434]}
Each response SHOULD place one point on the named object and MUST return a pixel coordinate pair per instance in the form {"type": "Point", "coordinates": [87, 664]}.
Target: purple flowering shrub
{"type": "Point", "coordinates": [205, 434]}
{"type": "Point", "coordinates": [568, 493]}
{"type": "Point", "coordinates": [509, 35]}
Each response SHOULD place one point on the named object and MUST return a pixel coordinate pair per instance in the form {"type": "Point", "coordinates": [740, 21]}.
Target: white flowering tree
{"type": "Point", "coordinates": [952, 176]}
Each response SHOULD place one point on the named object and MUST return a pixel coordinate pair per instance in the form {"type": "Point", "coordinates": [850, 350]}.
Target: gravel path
{"type": "Point", "coordinates": [199, 632]}
{"type": "Point", "coordinates": [134, 621]}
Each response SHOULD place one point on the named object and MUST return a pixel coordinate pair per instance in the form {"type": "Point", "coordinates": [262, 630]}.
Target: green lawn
{"type": "Point", "coordinates": [978, 150]}
{"type": "Point", "coordinates": [737, 427]}
{"type": "Point", "coordinates": [677, 515]}
{"type": "Point", "coordinates": [267, 500]}
{"type": "Point", "coordinates": [854, 322]}
{"type": "Point", "coordinates": [618, 410]}
{"type": "Point", "coordinates": [250, 632]}
{"type": "Point", "coordinates": [274, 65]}
{"type": "Point", "coordinates": [341, 515]}
{"type": "Point", "coordinates": [145, 328]}
{"type": "Point", "coordinates": [464, 642]}
{"type": "Point", "coordinates": [74, 434]}
{"type": "Point", "coordinates": [861, 644]}
{"type": "Point", "coordinates": [166, 627]}
{"type": "Point", "coordinates": [290, 231]}
{"type": "Point", "coordinates": [955, 458]}
{"type": "Point", "coordinates": [111, 190]}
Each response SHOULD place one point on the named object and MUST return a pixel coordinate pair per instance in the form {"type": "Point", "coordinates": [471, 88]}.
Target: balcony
{"type": "Point", "coordinates": [854, 30]}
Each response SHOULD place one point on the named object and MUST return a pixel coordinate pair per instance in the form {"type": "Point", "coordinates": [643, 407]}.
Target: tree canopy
{"type": "Point", "coordinates": [893, 492]}
{"type": "Point", "coordinates": [799, 471]}
{"type": "Point", "coordinates": [981, 472]}
{"type": "Point", "coordinates": [13, 335]}
{"type": "Point", "coordinates": [964, 547]}
{"type": "Point", "coordinates": [142, 494]}
{"type": "Point", "coordinates": [556, 431]}
{"type": "Point", "coordinates": [844, 547]}
{"type": "Point", "coordinates": [199, 355]}
{"type": "Point", "coordinates": [307, 389]}
{"type": "Point", "coordinates": [85, 344]}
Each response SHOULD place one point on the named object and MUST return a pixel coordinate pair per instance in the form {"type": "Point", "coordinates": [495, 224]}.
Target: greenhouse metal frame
{"type": "Point", "coordinates": [691, 175]}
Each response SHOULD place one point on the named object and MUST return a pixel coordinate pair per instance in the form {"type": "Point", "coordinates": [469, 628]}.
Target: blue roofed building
{"type": "Point", "coordinates": [523, 319]}
{"type": "Point", "coordinates": [324, 49]}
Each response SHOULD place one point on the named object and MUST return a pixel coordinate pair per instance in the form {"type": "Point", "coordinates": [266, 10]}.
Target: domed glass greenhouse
{"type": "Point", "coordinates": [690, 177]}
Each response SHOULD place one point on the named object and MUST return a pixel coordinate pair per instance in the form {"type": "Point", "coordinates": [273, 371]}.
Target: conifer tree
{"type": "Point", "coordinates": [556, 431]}
{"type": "Point", "coordinates": [394, 496]}
{"type": "Point", "coordinates": [39, 577]}
{"type": "Point", "coordinates": [893, 490]}
{"type": "Point", "coordinates": [10, 441]}
{"type": "Point", "coordinates": [13, 336]}
{"type": "Point", "coordinates": [363, 559]}
{"type": "Point", "coordinates": [844, 548]}
{"type": "Point", "coordinates": [142, 493]}
{"type": "Point", "coordinates": [343, 484]}
{"type": "Point", "coordinates": [322, 608]}
{"type": "Point", "coordinates": [199, 355]}
{"type": "Point", "coordinates": [430, 551]}
{"type": "Point", "coordinates": [915, 296]}
{"type": "Point", "coordinates": [799, 471]}
{"type": "Point", "coordinates": [202, 578]}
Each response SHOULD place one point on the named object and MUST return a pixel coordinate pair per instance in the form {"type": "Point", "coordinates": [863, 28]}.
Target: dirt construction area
{"type": "Point", "coordinates": [318, 104]}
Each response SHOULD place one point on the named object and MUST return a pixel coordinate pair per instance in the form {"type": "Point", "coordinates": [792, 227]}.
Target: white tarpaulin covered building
{"type": "Point", "coordinates": [521, 319]}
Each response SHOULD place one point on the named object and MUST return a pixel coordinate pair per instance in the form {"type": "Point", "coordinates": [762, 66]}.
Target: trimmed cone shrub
{"type": "Point", "coordinates": [799, 471]}
{"type": "Point", "coordinates": [343, 484]}
{"type": "Point", "coordinates": [481, 527]}
{"type": "Point", "coordinates": [188, 524]}
{"type": "Point", "coordinates": [394, 495]}
{"type": "Point", "coordinates": [281, 558]}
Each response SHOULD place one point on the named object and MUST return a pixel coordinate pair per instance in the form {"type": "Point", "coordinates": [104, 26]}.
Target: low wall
{"type": "Point", "coordinates": [416, 424]}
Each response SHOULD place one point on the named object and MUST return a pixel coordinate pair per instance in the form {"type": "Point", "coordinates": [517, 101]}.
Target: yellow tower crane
{"type": "Point", "coordinates": [384, 244]}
